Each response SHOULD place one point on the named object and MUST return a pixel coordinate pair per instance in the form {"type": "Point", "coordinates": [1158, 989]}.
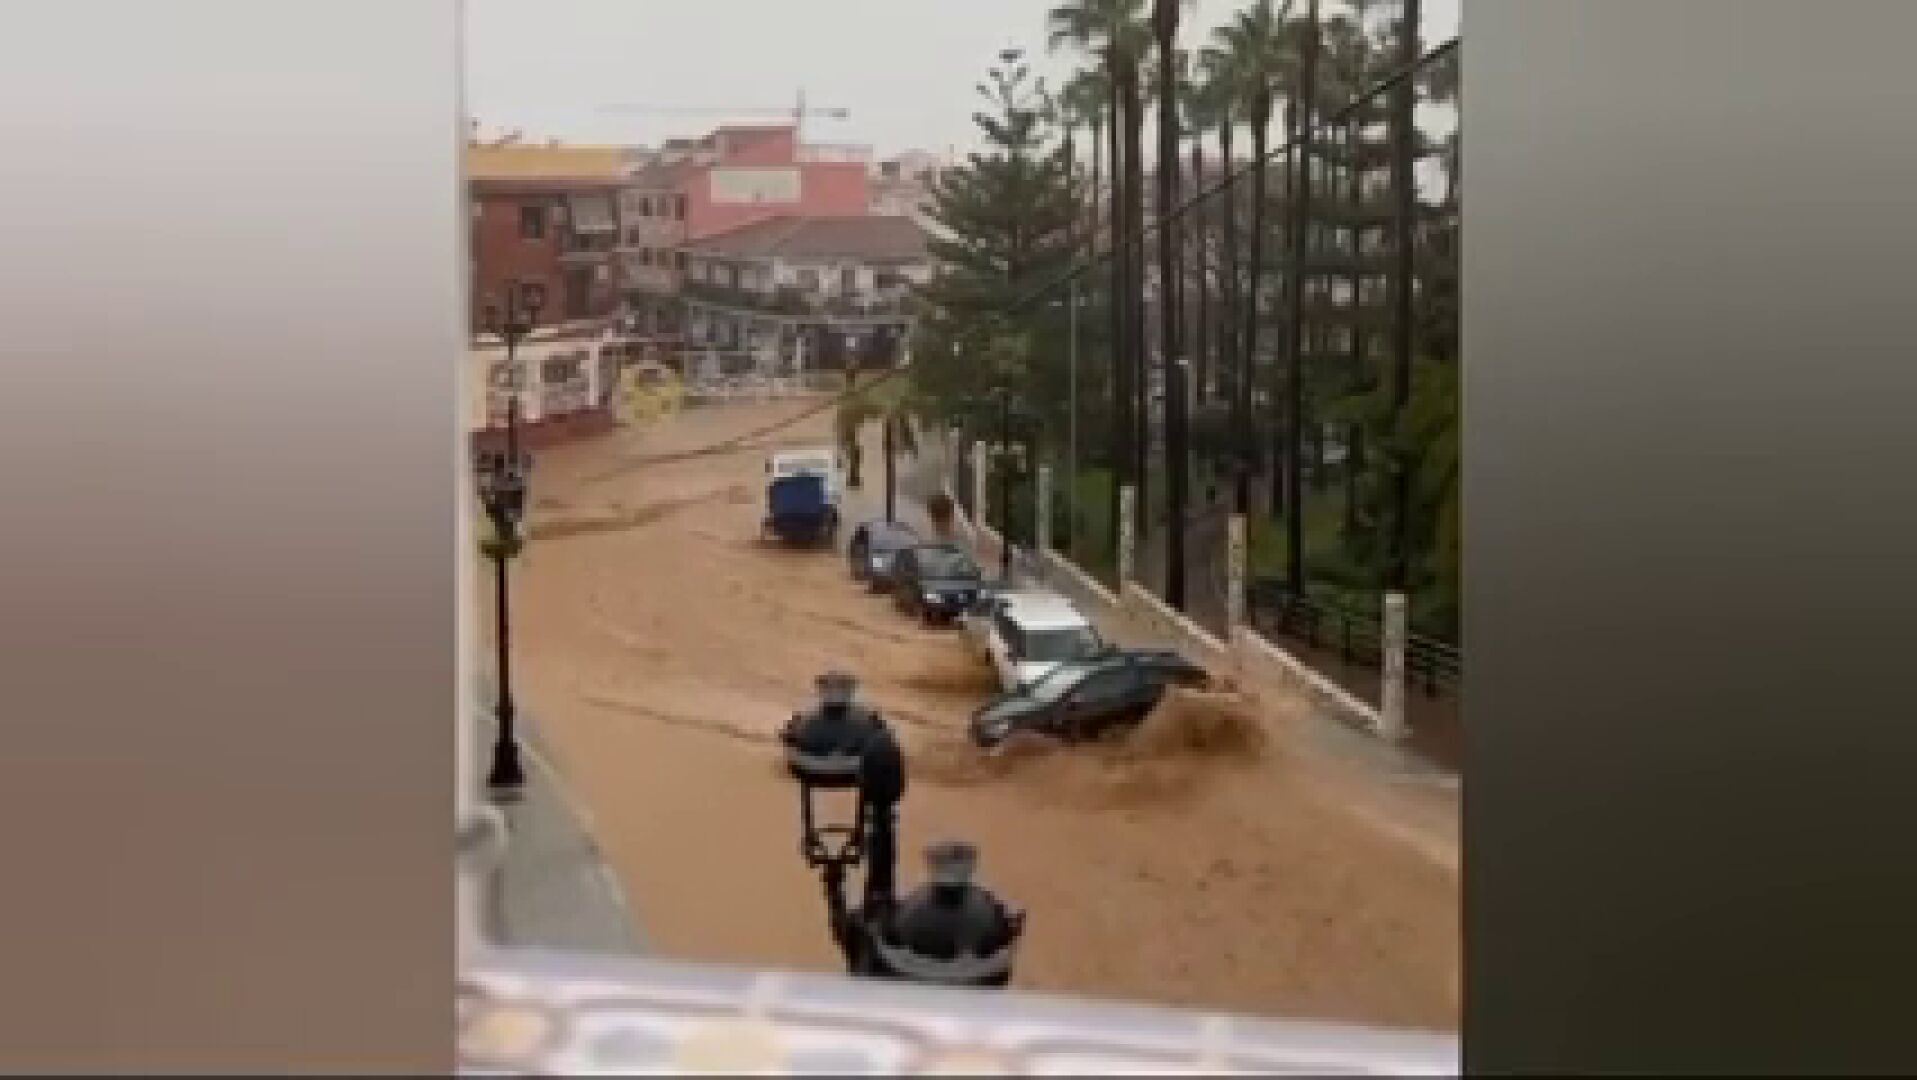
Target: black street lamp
{"type": "Point", "coordinates": [840, 746]}
{"type": "Point", "coordinates": [502, 479]}
{"type": "Point", "coordinates": [950, 931]}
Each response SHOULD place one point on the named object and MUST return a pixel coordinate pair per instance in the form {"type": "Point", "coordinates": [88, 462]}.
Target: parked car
{"type": "Point", "coordinates": [935, 581]}
{"type": "Point", "coordinates": [873, 545]}
{"type": "Point", "coordinates": [1027, 633]}
{"type": "Point", "coordinates": [1086, 699]}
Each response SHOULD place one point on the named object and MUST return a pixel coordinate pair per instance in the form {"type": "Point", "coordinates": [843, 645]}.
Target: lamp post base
{"type": "Point", "coordinates": [507, 775]}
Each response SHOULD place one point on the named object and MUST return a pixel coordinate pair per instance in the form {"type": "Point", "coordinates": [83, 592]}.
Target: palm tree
{"type": "Point", "coordinates": [1298, 201]}
{"type": "Point", "coordinates": [1440, 81]}
{"type": "Point", "coordinates": [1131, 299]}
{"type": "Point", "coordinates": [1404, 146]}
{"type": "Point", "coordinates": [1112, 32]}
{"type": "Point", "coordinates": [1086, 99]}
{"type": "Point", "coordinates": [1258, 53]}
{"type": "Point", "coordinates": [1199, 105]}
{"type": "Point", "coordinates": [1350, 65]}
{"type": "Point", "coordinates": [1222, 85]}
{"type": "Point", "coordinates": [1177, 451]}
{"type": "Point", "coordinates": [891, 403]}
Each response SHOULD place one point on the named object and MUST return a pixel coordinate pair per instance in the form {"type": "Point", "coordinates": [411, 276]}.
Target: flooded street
{"type": "Point", "coordinates": [659, 645]}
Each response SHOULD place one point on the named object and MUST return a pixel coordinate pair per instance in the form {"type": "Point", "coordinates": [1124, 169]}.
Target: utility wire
{"type": "Point", "coordinates": [746, 439]}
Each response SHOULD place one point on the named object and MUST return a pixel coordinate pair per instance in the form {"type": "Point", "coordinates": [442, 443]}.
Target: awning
{"type": "Point", "coordinates": [593, 214]}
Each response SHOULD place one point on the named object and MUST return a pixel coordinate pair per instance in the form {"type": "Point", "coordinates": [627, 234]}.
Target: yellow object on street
{"type": "Point", "coordinates": [648, 392]}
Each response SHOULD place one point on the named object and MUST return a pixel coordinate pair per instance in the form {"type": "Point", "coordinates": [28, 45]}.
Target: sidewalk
{"type": "Point", "coordinates": [551, 888]}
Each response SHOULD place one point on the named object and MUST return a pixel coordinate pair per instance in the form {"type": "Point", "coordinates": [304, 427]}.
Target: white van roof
{"type": "Point", "coordinates": [822, 459]}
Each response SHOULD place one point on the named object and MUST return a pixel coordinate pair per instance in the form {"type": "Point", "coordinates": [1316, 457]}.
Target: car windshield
{"type": "Point", "coordinates": [1055, 684]}
{"type": "Point", "coordinates": [1060, 644]}
{"type": "Point", "coordinates": [888, 540]}
{"type": "Point", "coordinates": [937, 563]}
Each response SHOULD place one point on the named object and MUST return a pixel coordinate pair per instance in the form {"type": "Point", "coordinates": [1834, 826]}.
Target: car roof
{"type": "Point", "coordinates": [1041, 610]}
{"type": "Point", "coordinates": [882, 527]}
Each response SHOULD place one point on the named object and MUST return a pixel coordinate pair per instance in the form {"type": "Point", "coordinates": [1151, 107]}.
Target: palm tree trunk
{"type": "Point", "coordinates": [1230, 289]}
{"type": "Point", "coordinates": [1134, 297]}
{"type": "Point", "coordinates": [1300, 203]}
{"type": "Point", "coordinates": [1177, 467]}
{"type": "Point", "coordinates": [1200, 261]}
{"type": "Point", "coordinates": [1121, 415]}
{"type": "Point", "coordinates": [1403, 135]}
{"type": "Point", "coordinates": [1356, 376]}
{"type": "Point", "coordinates": [1254, 280]}
{"type": "Point", "coordinates": [1098, 154]}
{"type": "Point", "coordinates": [1281, 361]}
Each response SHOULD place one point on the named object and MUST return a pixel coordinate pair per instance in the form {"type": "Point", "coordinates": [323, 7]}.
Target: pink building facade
{"type": "Point", "coordinates": [736, 176]}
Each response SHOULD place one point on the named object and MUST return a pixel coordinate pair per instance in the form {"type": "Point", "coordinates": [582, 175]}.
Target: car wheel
{"type": "Point", "coordinates": [992, 735]}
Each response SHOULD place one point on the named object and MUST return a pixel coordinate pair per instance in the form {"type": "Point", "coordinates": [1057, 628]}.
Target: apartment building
{"type": "Point", "coordinates": [798, 292]}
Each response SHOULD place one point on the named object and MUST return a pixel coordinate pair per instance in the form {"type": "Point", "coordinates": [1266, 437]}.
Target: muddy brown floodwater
{"type": "Point", "coordinates": [659, 645]}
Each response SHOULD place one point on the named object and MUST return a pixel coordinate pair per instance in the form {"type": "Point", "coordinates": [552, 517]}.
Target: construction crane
{"type": "Point", "coordinates": [798, 112]}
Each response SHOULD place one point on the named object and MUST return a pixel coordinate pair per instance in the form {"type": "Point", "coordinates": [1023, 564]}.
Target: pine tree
{"type": "Point", "coordinates": [1012, 213]}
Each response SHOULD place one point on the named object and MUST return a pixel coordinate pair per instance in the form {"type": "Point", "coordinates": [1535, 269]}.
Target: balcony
{"type": "Point", "coordinates": [768, 303]}
{"type": "Point", "coordinates": [787, 302]}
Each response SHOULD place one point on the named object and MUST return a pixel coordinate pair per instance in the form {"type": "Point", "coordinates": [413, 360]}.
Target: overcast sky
{"type": "Point", "coordinates": [905, 69]}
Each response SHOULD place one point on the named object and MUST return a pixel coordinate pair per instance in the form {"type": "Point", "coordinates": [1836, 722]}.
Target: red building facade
{"type": "Point", "coordinates": [551, 237]}
{"type": "Point", "coordinates": [735, 176]}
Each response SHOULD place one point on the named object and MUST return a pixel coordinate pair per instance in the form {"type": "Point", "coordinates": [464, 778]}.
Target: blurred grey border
{"type": "Point", "coordinates": [231, 292]}
{"type": "Point", "coordinates": [1689, 534]}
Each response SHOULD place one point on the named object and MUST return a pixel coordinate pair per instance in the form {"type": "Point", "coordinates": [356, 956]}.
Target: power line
{"type": "Point", "coordinates": [1095, 259]}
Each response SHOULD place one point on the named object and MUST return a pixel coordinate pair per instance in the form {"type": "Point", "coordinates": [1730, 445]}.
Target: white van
{"type": "Point", "coordinates": [819, 461]}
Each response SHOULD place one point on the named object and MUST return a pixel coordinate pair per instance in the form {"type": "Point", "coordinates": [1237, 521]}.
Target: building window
{"type": "Point", "coordinates": [532, 294]}
{"type": "Point", "coordinates": [679, 208]}
{"type": "Point", "coordinates": [561, 369]}
{"type": "Point", "coordinates": [809, 279]}
{"type": "Point", "coordinates": [679, 261]}
{"type": "Point", "coordinates": [645, 207]}
{"type": "Point", "coordinates": [645, 256]}
{"type": "Point", "coordinates": [532, 223]}
{"type": "Point", "coordinates": [579, 282]}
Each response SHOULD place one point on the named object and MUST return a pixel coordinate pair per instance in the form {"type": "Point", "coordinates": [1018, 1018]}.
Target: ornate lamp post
{"type": "Point", "coordinates": [949, 931]}
{"type": "Point", "coordinates": [502, 480]}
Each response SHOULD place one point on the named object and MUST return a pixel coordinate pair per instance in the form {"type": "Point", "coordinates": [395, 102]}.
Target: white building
{"type": "Point", "coordinates": [811, 292]}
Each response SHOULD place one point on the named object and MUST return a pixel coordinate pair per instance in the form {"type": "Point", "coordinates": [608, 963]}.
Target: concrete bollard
{"type": "Point", "coordinates": [1127, 537]}
{"type": "Point", "coordinates": [1042, 527]}
{"type": "Point", "coordinates": [1391, 720]}
{"type": "Point", "coordinates": [981, 464]}
{"type": "Point", "coordinates": [1234, 573]}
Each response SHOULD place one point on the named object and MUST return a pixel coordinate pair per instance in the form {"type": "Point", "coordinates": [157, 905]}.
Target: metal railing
{"type": "Point", "coordinates": [1357, 637]}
